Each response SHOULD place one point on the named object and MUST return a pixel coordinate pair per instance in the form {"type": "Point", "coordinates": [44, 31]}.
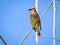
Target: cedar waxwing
{"type": "Point", "coordinates": [35, 20]}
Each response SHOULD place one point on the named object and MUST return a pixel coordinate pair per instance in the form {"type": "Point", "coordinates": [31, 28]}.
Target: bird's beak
{"type": "Point", "coordinates": [29, 9]}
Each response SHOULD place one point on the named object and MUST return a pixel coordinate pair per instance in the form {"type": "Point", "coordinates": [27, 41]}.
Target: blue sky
{"type": "Point", "coordinates": [14, 22]}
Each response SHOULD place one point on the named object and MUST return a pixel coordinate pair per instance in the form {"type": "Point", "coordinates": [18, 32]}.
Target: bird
{"type": "Point", "coordinates": [35, 20]}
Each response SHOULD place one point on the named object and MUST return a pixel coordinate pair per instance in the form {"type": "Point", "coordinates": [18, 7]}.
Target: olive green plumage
{"type": "Point", "coordinates": [35, 20]}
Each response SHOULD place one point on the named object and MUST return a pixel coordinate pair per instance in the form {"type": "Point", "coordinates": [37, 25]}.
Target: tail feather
{"type": "Point", "coordinates": [38, 33]}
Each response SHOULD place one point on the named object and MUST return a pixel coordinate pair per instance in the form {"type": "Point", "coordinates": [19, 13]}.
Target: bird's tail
{"type": "Point", "coordinates": [38, 33]}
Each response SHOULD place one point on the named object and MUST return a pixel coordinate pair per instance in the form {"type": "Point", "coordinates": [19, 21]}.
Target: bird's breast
{"type": "Point", "coordinates": [33, 16]}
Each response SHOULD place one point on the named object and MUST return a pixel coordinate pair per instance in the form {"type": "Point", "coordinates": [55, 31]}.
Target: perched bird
{"type": "Point", "coordinates": [35, 20]}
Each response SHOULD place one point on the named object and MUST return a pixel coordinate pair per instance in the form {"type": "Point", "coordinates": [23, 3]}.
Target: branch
{"type": "Point", "coordinates": [46, 9]}
{"type": "Point", "coordinates": [25, 37]}
{"type": "Point", "coordinates": [3, 40]}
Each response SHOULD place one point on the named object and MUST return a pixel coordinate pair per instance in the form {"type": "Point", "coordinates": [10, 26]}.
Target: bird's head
{"type": "Point", "coordinates": [32, 9]}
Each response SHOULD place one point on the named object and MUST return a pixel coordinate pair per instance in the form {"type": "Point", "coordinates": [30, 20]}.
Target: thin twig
{"type": "Point", "coordinates": [50, 38]}
{"type": "Point", "coordinates": [3, 40]}
{"type": "Point", "coordinates": [46, 9]}
{"type": "Point", "coordinates": [25, 37]}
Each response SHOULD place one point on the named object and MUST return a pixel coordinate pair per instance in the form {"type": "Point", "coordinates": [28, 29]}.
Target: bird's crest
{"type": "Point", "coordinates": [32, 8]}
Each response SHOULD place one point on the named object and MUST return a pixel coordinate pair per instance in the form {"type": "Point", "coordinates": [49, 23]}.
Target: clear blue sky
{"type": "Point", "coordinates": [14, 22]}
